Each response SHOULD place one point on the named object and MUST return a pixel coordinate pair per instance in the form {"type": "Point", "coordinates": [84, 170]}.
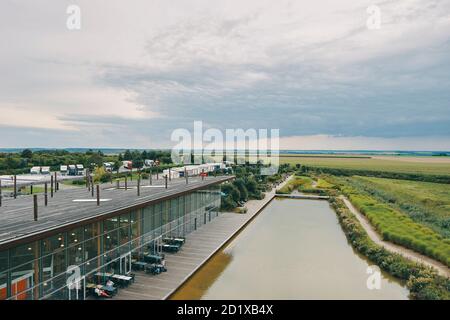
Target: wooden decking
{"type": "Point", "coordinates": [199, 247]}
{"type": "Point", "coordinates": [68, 207]}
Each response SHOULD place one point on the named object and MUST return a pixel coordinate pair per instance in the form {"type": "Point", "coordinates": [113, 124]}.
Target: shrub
{"type": "Point", "coordinates": [423, 282]}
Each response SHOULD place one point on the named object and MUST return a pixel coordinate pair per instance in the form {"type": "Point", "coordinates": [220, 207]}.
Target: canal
{"type": "Point", "coordinates": [294, 249]}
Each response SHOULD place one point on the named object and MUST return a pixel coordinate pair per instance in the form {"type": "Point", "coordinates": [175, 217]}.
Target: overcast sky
{"type": "Point", "coordinates": [137, 70]}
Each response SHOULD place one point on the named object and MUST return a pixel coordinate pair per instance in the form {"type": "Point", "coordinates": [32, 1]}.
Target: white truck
{"type": "Point", "coordinates": [80, 169]}
{"type": "Point", "coordinates": [63, 170]}
{"type": "Point", "coordinates": [45, 170]}
{"type": "Point", "coordinates": [35, 170]}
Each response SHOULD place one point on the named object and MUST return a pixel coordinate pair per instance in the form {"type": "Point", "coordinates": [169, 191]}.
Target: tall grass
{"type": "Point", "coordinates": [296, 183]}
{"type": "Point", "coordinates": [399, 228]}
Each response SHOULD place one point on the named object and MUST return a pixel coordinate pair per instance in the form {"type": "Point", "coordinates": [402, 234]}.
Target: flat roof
{"type": "Point", "coordinates": [17, 223]}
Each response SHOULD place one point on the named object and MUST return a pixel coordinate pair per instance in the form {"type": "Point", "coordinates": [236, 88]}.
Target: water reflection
{"type": "Point", "coordinates": [295, 249]}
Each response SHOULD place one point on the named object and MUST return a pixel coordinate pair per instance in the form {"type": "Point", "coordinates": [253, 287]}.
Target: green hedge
{"type": "Point", "coordinates": [379, 174]}
{"type": "Point", "coordinates": [399, 228]}
{"type": "Point", "coordinates": [423, 282]}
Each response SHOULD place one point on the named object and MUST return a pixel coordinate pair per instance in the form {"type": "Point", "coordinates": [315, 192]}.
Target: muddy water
{"type": "Point", "coordinates": [294, 249]}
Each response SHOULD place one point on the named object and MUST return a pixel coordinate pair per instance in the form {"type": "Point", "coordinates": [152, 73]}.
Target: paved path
{"type": "Point", "coordinates": [407, 253]}
{"type": "Point", "coordinates": [200, 246]}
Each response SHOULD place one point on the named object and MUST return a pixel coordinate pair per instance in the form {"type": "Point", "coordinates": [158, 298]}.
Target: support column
{"type": "Point", "coordinates": [139, 187]}
{"type": "Point", "coordinates": [35, 207]}
{"type": "Point", "coordinates": [51, 186]}
{"type": "Point", "coordinates": [98, 195]}
{"type": "Point", "coordinates": [15, 186]}
{"type": "Point", "coordinates": [46, 194]}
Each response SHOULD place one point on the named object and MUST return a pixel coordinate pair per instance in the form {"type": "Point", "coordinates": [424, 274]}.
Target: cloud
{"type": "Point", "coordinates": [141, 70]}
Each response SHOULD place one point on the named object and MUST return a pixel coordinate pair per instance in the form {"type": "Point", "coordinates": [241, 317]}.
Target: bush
{"type": "Point", "coordinates": [423, 282]}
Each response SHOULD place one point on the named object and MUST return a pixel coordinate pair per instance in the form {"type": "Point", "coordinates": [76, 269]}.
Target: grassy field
{"type": "Point", "coordinates": [296, 183]}
{"type": "Point", "coordinates": [424, 202]}
{"type": "Point", "coordinates": [398, 227]}
{"type": "Point", "coordinates": [425, 166]}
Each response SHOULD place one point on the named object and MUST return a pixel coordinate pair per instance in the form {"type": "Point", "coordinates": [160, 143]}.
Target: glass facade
{"type": "Point", "coordinates": [45, 269]}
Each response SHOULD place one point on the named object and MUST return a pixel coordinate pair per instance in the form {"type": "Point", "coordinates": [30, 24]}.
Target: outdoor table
{"type": "Point", "coordinates": [155, 268]}
{"type": "Point", "coordinates": [138, 265]}
{"type": "Point", "coordinates": [123, 280]}
{"type": "Point", "coordinates": [170, 248]}
{"type": "Point", "coordinates": [152, 258]}
{"type": "Point", "coordinates": [174, 241]}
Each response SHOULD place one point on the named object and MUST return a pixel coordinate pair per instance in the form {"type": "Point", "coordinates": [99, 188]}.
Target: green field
{"type": "Point", "coordinates": [396, 226]}
{"type": "Point", "coordinates": [372, 164]}
{"type": "Point", "coordinates": [424, 202]}
{"type": "Point", "coordinates": [296, 183]}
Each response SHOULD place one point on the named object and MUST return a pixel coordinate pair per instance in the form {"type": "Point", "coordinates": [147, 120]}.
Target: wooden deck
{"type": "Point", "coordinates": [200, 245]}
{"type": "Point", "coordinates": [17, 220]}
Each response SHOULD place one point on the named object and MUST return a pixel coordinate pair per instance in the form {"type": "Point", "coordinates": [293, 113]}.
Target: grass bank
{"type": "Point", "coordinates": [398, 227]}
{"type": "Point", "coordinates": [423, 282]}
{"type": "Point", "coordinates": [426, 203]}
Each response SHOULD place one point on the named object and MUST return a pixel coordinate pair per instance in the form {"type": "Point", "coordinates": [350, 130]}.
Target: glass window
{"type": "Point", "coordinates": [3, 274]}
{"type": "Point", "coordinates": [75, 246]}
{"type": "Point", "coordinates": [54, 264]}
{"type": "Point", "coordinates": [124, 233]}
{"type": "Point", "coordinates": [92, 246]}
{"type": "Point", "coordinates": [25, 273]}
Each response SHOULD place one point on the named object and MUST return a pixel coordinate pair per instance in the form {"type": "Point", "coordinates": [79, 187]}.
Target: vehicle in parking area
{"type": "Point", "coordinates": [80, 169]}
{"type": "Point", "coordinates": [149, 163]}
{"type": "Point", "coordinates": [35, 170]}
{"type": "Point", "coordinates": [45, 170]}
{"type": "Point", "coordinates": [108, 166]}
{"type": "Point", "coordinates": [72, 170]}
{"type": "Point", "coordinates": [63, 170]}
{"type": "Point", "coordinates": [128, 164]}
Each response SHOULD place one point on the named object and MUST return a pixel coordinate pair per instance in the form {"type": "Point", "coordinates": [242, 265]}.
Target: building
{"type": "Point", "coordinates": [39, 259]}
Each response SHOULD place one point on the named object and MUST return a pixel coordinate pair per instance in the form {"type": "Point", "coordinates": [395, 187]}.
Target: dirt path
{"type": "Point", "coordinates": [407, 253]}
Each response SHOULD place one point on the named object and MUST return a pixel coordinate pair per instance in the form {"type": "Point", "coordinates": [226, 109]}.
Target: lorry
{"type": "Point", "coordinates": [128, 164]}
{"type": "Point", "coordinates": [35, 170]}
{"type": "Point", "coordinates": [108, 166]}
{"type": "Point", "coordinates": [80, 169]}
{"type": "Point", "coordinates": [63, 170]}
{"type": "Point", "coordinates": [45, 170]}
{"type": "Point", "coordinates": [72, 171]}
{"type": "Point", "coordinates": [149, 163]}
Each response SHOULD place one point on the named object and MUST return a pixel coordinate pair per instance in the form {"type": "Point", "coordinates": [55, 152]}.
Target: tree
{"type": "Point", "coordinates": [240, 185]}
{"type": "Point", "coordinates": [120, 158]}
{"type": "Point", "coordinates": [127, 155]}
{"type": "Point", "coordinates": [251, 186]}
{"type": "Point", "coordinates": [117, 165]}
{"type": "Point", "coordinates": [138, 163]}
{"type": "Point", "coordinates": [27, 153]}
{"type": "Point", "coordinates": [231, 191]}
{"type": "Point", "coordinates": [97, 159]}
